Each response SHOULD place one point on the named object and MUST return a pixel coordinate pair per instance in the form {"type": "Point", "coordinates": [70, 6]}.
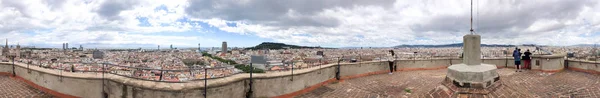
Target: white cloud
{"type": "Point", "coordinates": [423, 22]}
{"type": "Point", "coordinates": [303, 22]}
{"type": "Point", "coordinates": [97, 21]}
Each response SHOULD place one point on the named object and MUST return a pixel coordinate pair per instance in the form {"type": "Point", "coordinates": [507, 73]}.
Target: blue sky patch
{"type": "Point", "coordinates": [161, 7]}
{"type": "Point", "coordinates": [231, 24]}
{"type": "Point", "coordinates": [143, 21]}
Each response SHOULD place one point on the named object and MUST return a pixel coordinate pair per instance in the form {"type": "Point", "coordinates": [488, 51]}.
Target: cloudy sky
{"type": "Point", "coordinates": [330, 23]}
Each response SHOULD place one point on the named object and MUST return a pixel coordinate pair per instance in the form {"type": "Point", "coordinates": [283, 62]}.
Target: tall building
{"type": "Point", "coordinates": [80, 47]}
{"type": "Point", "coordinates": [158, 47]}
{"type": "Point", "coordinates": [18, 51]}
{"type": "Point", "coordinates": [66, 45]}
{"type": "Point", "coordinates": [5, 49]}
{"type": "Point", "coordinates": [171, 46]}
{"type": "Point", "coordinates": [224, 48]}
{"type": "Point", "coordinates": [63, 46]}
{"type": "Point", "coordinates": [97, 54]}
{"type": "Point", "coordinates": [199, 50]}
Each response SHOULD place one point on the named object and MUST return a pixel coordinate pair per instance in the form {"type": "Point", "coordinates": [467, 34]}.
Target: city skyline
{"type": "Point", "coordinates": [382, 23]}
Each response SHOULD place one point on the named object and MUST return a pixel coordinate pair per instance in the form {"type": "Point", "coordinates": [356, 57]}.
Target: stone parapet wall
{"type": "Point", "coordinates": [548, 63]}
{"type": "Point", "coordinates": [584, 66]}
{"type": "Point", "coordinates": [272, 84]}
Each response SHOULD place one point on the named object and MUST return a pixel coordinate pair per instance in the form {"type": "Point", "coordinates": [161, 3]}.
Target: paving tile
{"type": "Point", "coordinates": [422, 84]}
{"type": "Point", "coordinates": [12, 88]}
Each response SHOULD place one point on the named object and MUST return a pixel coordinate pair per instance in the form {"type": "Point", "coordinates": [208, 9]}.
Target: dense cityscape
{"type": "Point", "coordinates": [187, 64]}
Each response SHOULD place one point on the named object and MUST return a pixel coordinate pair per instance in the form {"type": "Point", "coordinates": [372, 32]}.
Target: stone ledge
{"type": "Point", "coordinates": [468, 74]}
{"type": "Point", "coordinates": [472, 88]}
{"type": "Point", "coordinates": [178, 86]}
{"type": "Point", "coordinates": [550, 56]}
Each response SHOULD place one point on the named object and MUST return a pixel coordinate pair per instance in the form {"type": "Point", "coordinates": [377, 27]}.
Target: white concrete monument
{"type": "Point", "coordinates": [472, 73]}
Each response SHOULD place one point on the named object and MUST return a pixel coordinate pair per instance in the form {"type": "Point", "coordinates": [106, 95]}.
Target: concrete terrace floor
{"type": "Point", "coordinates": [418, 84]}
{"type": "Point", "coordinates": [13, 88]}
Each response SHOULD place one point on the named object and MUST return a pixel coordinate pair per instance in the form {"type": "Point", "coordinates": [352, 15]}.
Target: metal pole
{"type": "Point", "coordinates": [103, 79]}
{"type": "Point", "coordinates": [161, 75]}
{"type": "Point", "coordinates": [320, 63]}
{"type": "Point", "coordinates": [249, 93]}
{"type": "Point", "coordinates": [472, 32]}
{"type": "Point", "coordinates": [337, 73]}
{"type": "Point", "coordinates": [13, 67]}
{"type": "Point", "coordinates": [506, 58]}
{"type": "Point", "coordinates": [292, 71]}
{"type": "Point", "coordinates": [205, 81]}
{"type": "Point", "coordinates": [395, 67]}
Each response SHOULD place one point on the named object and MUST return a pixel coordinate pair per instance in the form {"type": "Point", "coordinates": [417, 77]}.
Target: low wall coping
{"type": "Point", "coordinates": [562, 55]}
{"type": "Point", "coordinates": [177, 86]}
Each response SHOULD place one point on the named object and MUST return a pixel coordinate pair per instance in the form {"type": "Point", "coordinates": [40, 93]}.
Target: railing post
{"type": "Point", "coordinates": [13, 67]}
{"type": "Point", "coordinates": [161, 75]}
{"type": "Point", "coordinates": [72, 68]}
{"type": "Point", "coordinates": [506, 63]}
{"type": "Point", "coordinates": [320, 63]}
{"type": "Point", "coordinates": [292, 71]}
{"type": "Point", "coordinates": [104, 94]}
{"type": "Point", "coordinates": [28, 70]}
{"type": "Point", "coordinates": [205, 80]}
{"type": "Point", "coordinates": [337, 72]}
{"type": "Point", "coordinates": [249, 93]}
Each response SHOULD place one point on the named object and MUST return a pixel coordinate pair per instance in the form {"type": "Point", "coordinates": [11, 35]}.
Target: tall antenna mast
{"type": "Point", "coordinates": [472, 32]}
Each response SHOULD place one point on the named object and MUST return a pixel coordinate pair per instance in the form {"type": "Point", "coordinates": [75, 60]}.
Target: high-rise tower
{"type": "Point", "coordinates": [18, 51]}
{"type": "Point", "coordinates": [224, 48]}
{"type": "Point", "coordinates": [5, 49]}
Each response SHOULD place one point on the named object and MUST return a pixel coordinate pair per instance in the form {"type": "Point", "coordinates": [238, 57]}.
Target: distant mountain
{"type": "Point", "coordinates": [272, 45]}
{"type": "Point", "coordinates": [586, 45]}
{"type": "Point", "coordinates": [449, 45]}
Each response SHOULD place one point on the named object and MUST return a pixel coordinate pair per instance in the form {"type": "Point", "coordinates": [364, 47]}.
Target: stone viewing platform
{"type": "Point", "coordinates": [419, 77]}
{"type": "Point", "coordinates": [421, 84]}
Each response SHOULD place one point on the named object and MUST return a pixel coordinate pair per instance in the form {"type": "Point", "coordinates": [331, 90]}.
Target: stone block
{"type": "Point", "coordinates": [472, 49]}
{"type": "Point", "coordinates": [464, 74]}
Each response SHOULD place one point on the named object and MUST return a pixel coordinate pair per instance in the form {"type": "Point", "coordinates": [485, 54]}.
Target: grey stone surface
{"type": "Point", "coordinates": [266, 84]}
{"type": "Point", "coordinates": [472, 71]}
{"type": "Point", "coordinates": [472, 49]}
{"type": "Point", "coordinates": [463, 73]}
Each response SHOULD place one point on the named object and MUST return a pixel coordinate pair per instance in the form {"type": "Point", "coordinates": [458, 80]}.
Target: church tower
{"type": "Point", "coordinates": [5, 49]}
{"type": "Point", "coordinates": [18, 50]}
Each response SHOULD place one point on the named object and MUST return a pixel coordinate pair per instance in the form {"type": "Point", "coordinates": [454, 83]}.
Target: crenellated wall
{"type": "Point", "coordinates": [271, 84]}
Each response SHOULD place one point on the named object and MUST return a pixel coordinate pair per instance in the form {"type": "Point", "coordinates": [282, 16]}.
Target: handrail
{"type": "Point", "coordinates": [132, 75]}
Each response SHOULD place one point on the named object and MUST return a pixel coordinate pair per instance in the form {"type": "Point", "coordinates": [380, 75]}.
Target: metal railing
{"type": "Point", "coordinates": [181, 74]}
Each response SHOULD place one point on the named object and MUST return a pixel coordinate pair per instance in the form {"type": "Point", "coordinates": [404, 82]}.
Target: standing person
{"type": "Point", "coordinates": [527, 60]}
{"type": "Point", "coordinates": [391, 62]}
{"type": "Point", "coordinates": [517, 56]}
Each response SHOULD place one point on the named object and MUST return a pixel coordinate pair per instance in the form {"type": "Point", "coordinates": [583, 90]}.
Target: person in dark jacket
{"type": "Point", "coordinates": [391, 62]}
{"type": "Point", "coordinates": [527, 59]}
{"type": "Point", "coordinates": [517, 56]}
